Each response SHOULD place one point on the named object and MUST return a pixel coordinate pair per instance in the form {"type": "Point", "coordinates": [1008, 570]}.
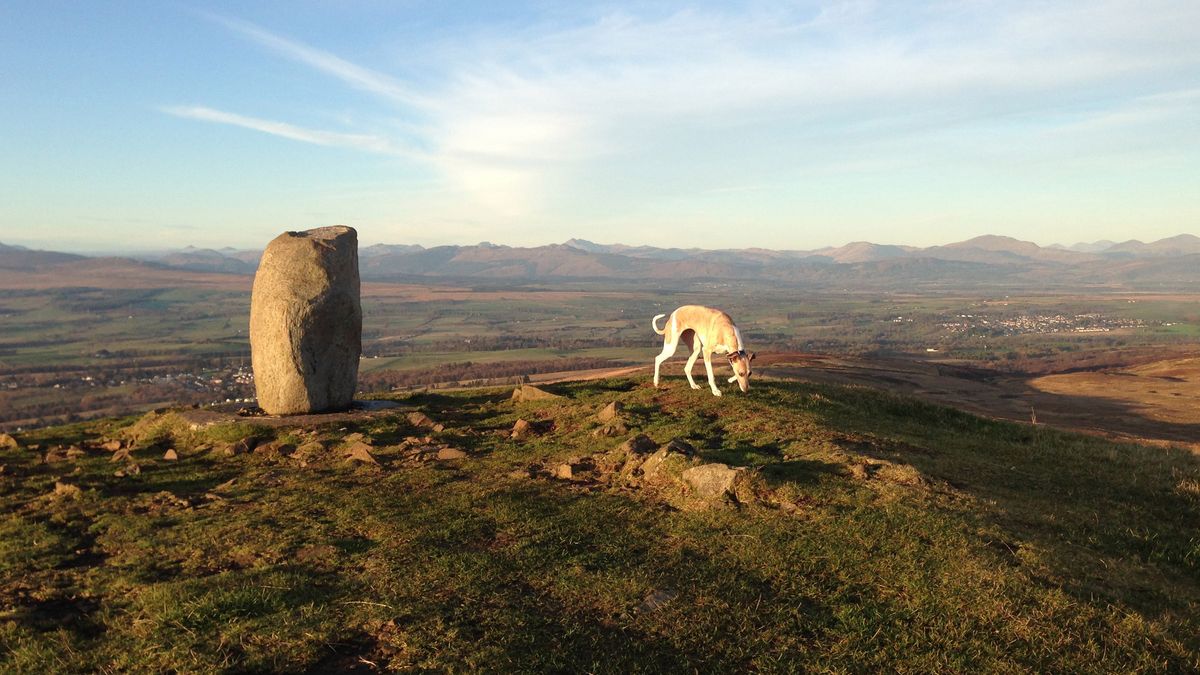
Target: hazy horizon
{"type": "Point", "coordinates": [134, 250]}
{"type": "Point", "coordinates": [665, 124]}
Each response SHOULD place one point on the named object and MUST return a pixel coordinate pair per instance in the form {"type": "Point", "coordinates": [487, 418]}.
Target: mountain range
{"type": "Point", "coordinates": [984, 260]}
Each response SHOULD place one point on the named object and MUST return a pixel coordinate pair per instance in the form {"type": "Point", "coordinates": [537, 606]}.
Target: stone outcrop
{"type": "Point", "coordinates": [528, 392]}
{"type": "Point", "coordinates": [306, 322]}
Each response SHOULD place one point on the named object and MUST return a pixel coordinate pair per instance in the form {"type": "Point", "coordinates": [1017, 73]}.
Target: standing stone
{"type": "Point", "coordinates": [306, 322]}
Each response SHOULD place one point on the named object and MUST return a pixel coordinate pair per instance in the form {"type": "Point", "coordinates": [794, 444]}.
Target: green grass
{"type": "Point", "coordinates": [964, 545]}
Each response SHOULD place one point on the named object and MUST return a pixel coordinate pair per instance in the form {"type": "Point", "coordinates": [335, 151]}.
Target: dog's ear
{"type": "Point", "coordinates": [751, 356]}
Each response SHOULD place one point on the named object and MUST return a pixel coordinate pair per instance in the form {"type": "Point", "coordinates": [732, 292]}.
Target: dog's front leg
{"type": "Point", "coordinates": [712, 381]}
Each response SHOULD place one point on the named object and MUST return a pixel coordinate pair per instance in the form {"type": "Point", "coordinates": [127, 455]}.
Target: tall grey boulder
{"type": "Point", "coordinates": [306, 322]}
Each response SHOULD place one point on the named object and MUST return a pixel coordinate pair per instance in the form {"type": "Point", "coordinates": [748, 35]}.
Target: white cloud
{"type": "Point", "coordinates": [365, 142]}
{"type": "Point", "coordinates": [516, 117]}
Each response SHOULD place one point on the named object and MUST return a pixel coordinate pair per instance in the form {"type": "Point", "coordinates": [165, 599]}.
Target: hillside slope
{"type": "Point", "coordinates": [868, 533]}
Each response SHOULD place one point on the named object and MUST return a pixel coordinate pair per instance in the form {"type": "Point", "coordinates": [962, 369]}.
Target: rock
{"type": "Point", "coordinates": [66, 490]}
{"type": "Point", "coordinates": [75, 452]}
{"type": "Point", "coordinates": [450, 453]}
{"type": "Point", "coordinates": [275, 448]}
{"type": "Point", "coordinates": [420, 419]}
{"type": "Point", "coordinates": [55, 455]}
{"type": "Point", "coordinates": [711, 482]}
{"type": "Point", "coordinates": [360, 452]}
{"type": "Point", "coordinates": [9, 443]}
{"type": "Point", "coordinates": [353, 437]}
{"type": "Point", "coordinates": [129, 470]}
{"type": "Point", "coordinates": [639, 445]}
{"type": "Point", "coordinates": [614, 428]}
{"type": "Point", "coordinates": [111, 446]}
{"type": "Point", "coordinates": [655, 600]}
{"type": "Point", "coordinates": [610, 411]}
{"type": "Point", "coordinates": [521, 429]}
{"type": "Point", "coordinates": [528, 392]}
{"type": "Point", "coordinates": [306, 322]}
{"type": "Point", "coordinates": [121, 456]}
{"type": "Point", "coordinates": [311, 449]}
{"type": "Point", "coordinates": [241, 447]}
{"type": "Point", "coordinates": [627, 457]}
{"type": "Point", "coordinates": [666, 465]}
{"type": "Point", "coordinates": [564, 472]}
{"type": "Point", "coordinates": [682, 447]}
{"type": "Point", "coordinates": [170, 455]}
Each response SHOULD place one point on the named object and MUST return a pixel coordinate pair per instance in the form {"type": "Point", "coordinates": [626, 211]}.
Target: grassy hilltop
{"type": "Point", "coordinates": [869, 532]}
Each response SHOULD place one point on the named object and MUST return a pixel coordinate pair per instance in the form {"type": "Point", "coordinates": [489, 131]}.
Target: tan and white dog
{"type": "Point", "coordinates": [708, 331]}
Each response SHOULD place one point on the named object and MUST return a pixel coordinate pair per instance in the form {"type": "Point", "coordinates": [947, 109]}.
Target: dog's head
{"type": "Point", "coordinates": [740, 362]}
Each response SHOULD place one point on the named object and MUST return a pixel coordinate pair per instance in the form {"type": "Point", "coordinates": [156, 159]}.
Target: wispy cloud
{"type": "Point", "coordinates": [698, 100]}
{"type": "Point", "coordinates": [355, 75]}
{"type": "Point", "coordinates": [365, 142]}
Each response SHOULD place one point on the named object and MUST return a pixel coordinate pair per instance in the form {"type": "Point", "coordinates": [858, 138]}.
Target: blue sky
{"type": "Point", "coordinates": [143, 125]}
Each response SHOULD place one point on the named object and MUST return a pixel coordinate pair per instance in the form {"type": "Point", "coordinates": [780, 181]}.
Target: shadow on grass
{"type": "Point", "coordinates": [1095, 508]}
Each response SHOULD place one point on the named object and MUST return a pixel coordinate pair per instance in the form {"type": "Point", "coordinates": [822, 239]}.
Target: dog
{"type": "Point", "coordinates": [708, 331]}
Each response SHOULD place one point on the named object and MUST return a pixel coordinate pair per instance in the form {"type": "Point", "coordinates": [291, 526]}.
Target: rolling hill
{"type": "Point", "coordinates": [978, 262]}
{"type": "Point", "coordinates": [804, 527]}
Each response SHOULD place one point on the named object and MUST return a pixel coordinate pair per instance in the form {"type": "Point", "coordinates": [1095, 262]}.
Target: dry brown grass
{"type": "Point", "coordinates": [1167, 390]}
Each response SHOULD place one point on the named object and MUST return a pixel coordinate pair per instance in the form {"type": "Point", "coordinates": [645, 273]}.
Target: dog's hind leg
{"type": "Point", "coordinates": [668, 351]}
{"type": "Point", "coordinates": [687, 370]}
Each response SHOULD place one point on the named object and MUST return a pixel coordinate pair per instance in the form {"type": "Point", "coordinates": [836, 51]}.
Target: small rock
{"type": "Point", "coordinates": [360, 452]}
{"type": "Point", "coordinates": [564, 472]}
{"type": "Point", "coordinates": [450, 453]}
{"type": "Point", "coordinates": [420, 419]}
{"type": "Point", "coordinates": [225, 486]}
{"type": "Point", "coordinates": [129, 470]}
{"type": "Point", "coordinates": [275, 448]}
{"type": "Point", "coordinates": [9, 443]}
{"type": "Point", "coordinates": [528, 392]}
{"type": "Point", "coordinates": [614, 428]}
{"type": "Point", "coordinates": [710, 482]}
{"type": "Point", "coordinates": [121, 456]}
{"type": "Point", "coordinates": [111, 446]}
{"type": "Point", "coordinates": [311, 448]}
{"type": "Point", "coordinates": [170, 455]}
{"type": "Point", "coordinates": [682, 447]}
{"type": "Point", "coordinates": [55, 455]}
{"type": "Point", "coordinates": [656, 599]}
{"type": "Point", "coordinates": [75, 452]}
{"type": "Point", "coordinates": [352, 438]}
{"type": "Point", "coordinates": [521, 429]}
{"type": "Point", "coordinates": [610, 411]}
{"type": "Point", "coordinates": [67, 490]}
{"type": "Point", "coordinates": [639, 445]}
{"type": "Point", "coordinates": [242, 447]}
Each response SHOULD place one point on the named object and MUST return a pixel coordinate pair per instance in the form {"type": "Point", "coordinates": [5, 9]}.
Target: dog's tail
{"type": "Point", "coordinates": [654, 324]}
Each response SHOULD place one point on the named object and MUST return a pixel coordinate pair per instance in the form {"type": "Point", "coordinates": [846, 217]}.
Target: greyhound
{"type": "Point", "coordinates": [706, 330]}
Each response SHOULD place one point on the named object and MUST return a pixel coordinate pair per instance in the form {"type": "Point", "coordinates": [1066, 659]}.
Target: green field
{"type": "Point", "coordinates": [877, 534]}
